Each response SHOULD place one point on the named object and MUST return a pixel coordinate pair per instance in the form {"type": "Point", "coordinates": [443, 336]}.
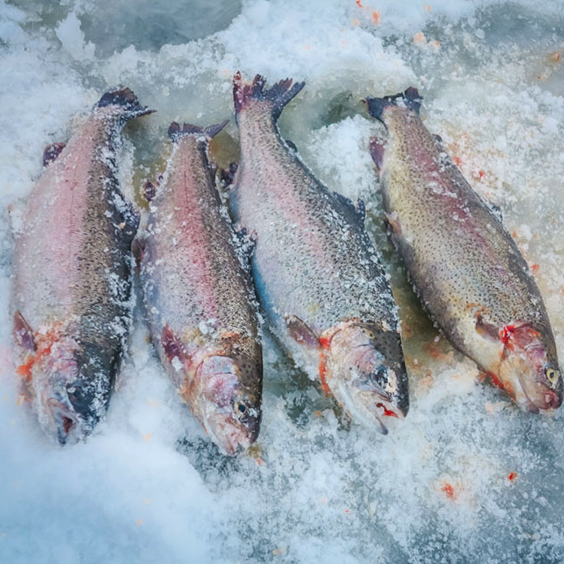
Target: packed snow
{"type": "Point", "coordinates": [466, 477]}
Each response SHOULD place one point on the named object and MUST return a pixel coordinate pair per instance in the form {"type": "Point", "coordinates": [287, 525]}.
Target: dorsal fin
{"type": "Point", "coordinates": [410, 98]}
{"type": "Point", "coordinates": [358, 211]}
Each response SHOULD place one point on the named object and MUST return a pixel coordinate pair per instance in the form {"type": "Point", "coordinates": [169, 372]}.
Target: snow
{"type": "Point", "coordinates": [148, 486]}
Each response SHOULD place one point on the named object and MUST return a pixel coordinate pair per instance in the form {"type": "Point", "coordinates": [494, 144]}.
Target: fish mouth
{"type": "Point", "coordinates": [228, 434]}
{"type": "Point", "coordinates": [66, 422]}
{"type": "Point", "coordinates": [383, 407]}
{"type": "Point", "coordinates": [551, 399]}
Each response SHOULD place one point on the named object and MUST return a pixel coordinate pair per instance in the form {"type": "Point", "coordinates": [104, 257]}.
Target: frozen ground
{"type": "Point", "coordinates": [466, 477]}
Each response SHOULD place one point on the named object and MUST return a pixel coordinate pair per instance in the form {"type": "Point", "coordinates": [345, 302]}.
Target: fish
{"type": "Point", "coordinates": [198, 294]}
{"type": "Point", "coordinates": [318, 276]}
{"type": "Point", "coordinates": [71, 294]}
{"type": "Point", "coordinates": [462, 262]}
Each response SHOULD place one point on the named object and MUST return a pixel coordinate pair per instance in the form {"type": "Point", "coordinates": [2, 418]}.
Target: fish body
{"type": "Point", "coordinates": [198, 295]}
{"type": "Point", "coordinates": [318, 276]}
{"type": "Point", "coordinates": [463, 263]}
{"type": "Point", "coordinates": [72, 275]}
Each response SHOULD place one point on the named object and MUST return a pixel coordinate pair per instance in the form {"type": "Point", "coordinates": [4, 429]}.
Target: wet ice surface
{"type": "Point", "coordinates": [148, 486]}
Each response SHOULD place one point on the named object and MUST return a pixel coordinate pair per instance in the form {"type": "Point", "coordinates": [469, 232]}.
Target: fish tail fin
{"type": "Point", "coordinates": [125, 101]}
{"type": "Point", "coordinates": [176, 131]}
{"type": "Point", "coordinates": [410, 98]}
{"type": "Point", "coordinates": [277, 96]}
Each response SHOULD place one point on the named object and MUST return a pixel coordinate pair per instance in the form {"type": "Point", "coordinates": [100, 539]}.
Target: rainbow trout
{"type": "Point", "coordinates": [199, 299]}
{"type": "Point", "coordinates": [72, 275]}
{"type": "Point", "coordinates": [464, 265]}
{"type": "Point", "coordinates": [318, 276]}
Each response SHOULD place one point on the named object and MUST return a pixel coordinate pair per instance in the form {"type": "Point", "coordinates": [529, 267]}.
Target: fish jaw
{"type": "Point", "coordinates": [54, 383]}
{"type": "Point", "coordinates": [366, 374]}
{"type": "Point", "coordinates": [230, 414]}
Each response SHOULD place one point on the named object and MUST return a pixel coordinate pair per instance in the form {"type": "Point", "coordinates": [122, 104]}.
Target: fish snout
{"type": "Point", "coordinates": [389, 386]}
{"type": "Point", "coordinates": [230, 435]}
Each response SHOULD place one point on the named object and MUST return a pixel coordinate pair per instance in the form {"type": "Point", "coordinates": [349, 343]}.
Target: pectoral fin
{"type": "Point", "coordinates": [23, 333]}
{"type": "Point", "coordinates": [301, 333]}
{"type": "Point", "coordinates": [486, 330]}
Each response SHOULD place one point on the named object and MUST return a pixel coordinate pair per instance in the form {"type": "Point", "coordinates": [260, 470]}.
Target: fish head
{"type": "Point", "coordinates": [66, 399]}
{"type": "Point", "coordinates": [229, 410]}
{"type": "Point", "coordinates": [529, 369]}
{"type": "Point", "coordinates": [366, 373]}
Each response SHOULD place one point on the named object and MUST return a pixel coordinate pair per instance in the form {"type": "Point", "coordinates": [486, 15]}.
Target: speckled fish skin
{"type": "Point", "coordinates": [72, 275]}
{"type": "Point", "coordinates": [317, 275]}
{"type": "Point", "coordinates": [463, 263]}
{"type": "Point", "coordinates": [199, 298]}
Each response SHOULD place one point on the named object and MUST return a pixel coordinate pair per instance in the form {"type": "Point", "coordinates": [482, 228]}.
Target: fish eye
{"type": "Point", "coordinates": [77, 396]}
{"type": "Point", "coordinates": [552, 375]}
{"type": "Point", "coordinates": [381, 375]}
{"type": "Point", "coordinates": [241, 408]}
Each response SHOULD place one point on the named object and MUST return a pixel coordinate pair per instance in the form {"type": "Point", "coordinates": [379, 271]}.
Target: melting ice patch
{"type": "Point", "coordinates": [466, 477]}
